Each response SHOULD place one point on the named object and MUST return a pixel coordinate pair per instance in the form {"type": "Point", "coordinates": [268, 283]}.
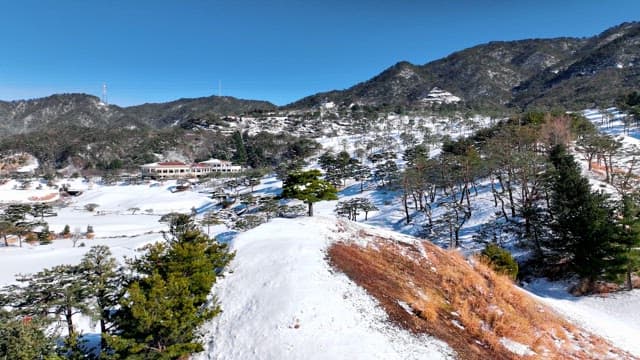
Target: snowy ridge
{"type": "Point", "coordinates": [282, 300]}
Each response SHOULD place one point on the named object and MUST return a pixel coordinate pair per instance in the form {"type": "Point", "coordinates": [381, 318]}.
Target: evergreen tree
{"type": "Point", "coordinates": [210, 218]}
{"type": "Point", "coordinates": [629, 220]}
{"type": "Point", "coordinates": [308, 187]}
{"type": "Point", "coordinates": [327, 161]}
{"type": "Point", "coordinates": [66, 231]}
{"type": "Point", "coordinates": [23, 338]}
{"type": "Point", "coordinates": [52, 293]}
{"type": "Point", "coordinates": [582, 223]}
{"type": "Point", "coordinates": [500, 260]}
{"type": "Point", "coordinates": [43, 235]}
{"type": "Point", "coordinates": [351, 208]}
{"type": "Point", "coordinates": [360, 173]}
{"type": "Point", "coordinates": [270, 208]}
{"type": "Point", "coordinates": [167, 299]}
{"type": "Point", "coordinates": [6, 229]}
{"type": "Point", "coordinates": [240, 155]}
{"type": "Point", "coordinates": [157, 319]}
{"type": "Point", "coordinates": [386, 172]}
{"type": "Point", "coordinates": [16, 222]}
{"type": "Point", "coordinates": [40, 210]}
{"type": "Point", "coordinates": [100, 271]}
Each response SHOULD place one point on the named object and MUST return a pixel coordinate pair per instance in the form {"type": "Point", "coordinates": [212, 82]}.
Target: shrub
{"type": "Point", "coordinates": [44, 237]}
{"type": "Point", "coordinates": [31, 238]}
{"type": "Point", "coordinates": [91, 207]}
{"type": "Point", "coordinates": [248, 222]}
{"type": "Point", "coordinates": [500, 260]}
{"type": "Point", "coordinates": [66, 231]}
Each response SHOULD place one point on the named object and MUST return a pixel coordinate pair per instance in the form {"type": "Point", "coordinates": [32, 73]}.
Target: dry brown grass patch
{"type": "Point", "coordinates": [445, 292]}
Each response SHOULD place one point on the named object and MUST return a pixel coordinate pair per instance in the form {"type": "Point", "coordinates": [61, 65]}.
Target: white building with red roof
{"type": "Point", "coordinates": [179, 169]}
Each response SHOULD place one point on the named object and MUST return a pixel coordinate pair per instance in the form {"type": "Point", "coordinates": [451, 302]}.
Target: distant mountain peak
{"type": "Point", "coordinates": [569, 72]}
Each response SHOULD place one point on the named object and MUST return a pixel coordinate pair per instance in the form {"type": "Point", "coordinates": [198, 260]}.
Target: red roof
{"type": "Point", "coordinates": [172, 163]}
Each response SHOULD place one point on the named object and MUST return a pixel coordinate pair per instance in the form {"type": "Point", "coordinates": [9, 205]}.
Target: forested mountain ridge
{"type": "Point", "coordinates": [59, 110]}
{"type": "Point", "coordinates": [568, 72]}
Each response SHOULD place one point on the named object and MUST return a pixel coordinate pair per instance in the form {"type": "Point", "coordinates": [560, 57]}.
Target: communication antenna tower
{"type": "Point", "coordinates": [104, 94]}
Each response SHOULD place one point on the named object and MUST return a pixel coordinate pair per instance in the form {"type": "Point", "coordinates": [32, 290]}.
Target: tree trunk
{"type": "Point", "coordinates": [450, 235]}
{"type": "Point", "coordinates": [469, 200]}
{"type": "Point", "coordinates": [628, 281]}
{"type": "Point", "coordinates": [69, 318]}
{"type": "Point", "coordinates": [511, 204]}
{"type": "Point", "coordinates": [310, 213]}
{"type": "Point", "coordinates": [406, 207]}
{"type": "Point", "coordinates": [103, 334]}
{"type": "Point", "coordinates": [427, 211]}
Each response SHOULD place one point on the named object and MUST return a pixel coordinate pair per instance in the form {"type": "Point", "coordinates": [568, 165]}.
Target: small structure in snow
{"type": "Point", "coordinates": [179, 169]}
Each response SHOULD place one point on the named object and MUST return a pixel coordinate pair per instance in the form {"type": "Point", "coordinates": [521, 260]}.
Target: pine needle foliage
{"type": "Point", "coordinates": [168, 298]}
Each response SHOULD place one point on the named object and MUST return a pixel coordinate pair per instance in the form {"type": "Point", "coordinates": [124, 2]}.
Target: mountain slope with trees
{"type": "Point", "coordinates": [573, 72]}
{"type": "Point", "coordinates": [82, 110]}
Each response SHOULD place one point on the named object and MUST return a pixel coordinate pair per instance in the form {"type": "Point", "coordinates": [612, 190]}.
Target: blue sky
{"type": "Point", "coordinates": [280, 51]}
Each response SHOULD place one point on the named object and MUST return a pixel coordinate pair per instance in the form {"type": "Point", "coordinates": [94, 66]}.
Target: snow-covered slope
{"type": "Point", "coordinates": [615, 317]}
{"type": "Point", "coordinates": [281, 300]}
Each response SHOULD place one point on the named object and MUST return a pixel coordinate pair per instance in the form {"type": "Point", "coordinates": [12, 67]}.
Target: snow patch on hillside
{"type": "Point", "coordinates": [282, 300]}
{"type": "Point", "coordinates": [615, 317]}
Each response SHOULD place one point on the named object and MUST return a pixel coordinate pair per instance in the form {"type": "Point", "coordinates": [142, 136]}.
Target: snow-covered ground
{"type": "Point", "coordinates": [114, 222]}
{"type": "Point", "coordinates": [281, 300]}
{"type": "Point", "coordinates": [12, 191]}
{"type": "Point", "coordinates": [616, 317]}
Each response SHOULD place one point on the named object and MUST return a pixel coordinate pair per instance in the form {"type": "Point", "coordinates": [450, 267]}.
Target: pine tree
{"type": "Point", "coordinates": [16, 222]}
{"type": "Point", "coordinates": [500, 260]}
{"type": "Point", "coordinates": [629, 220]}
{"type": "Point", "coordinates": [6, 229]}
{"type": "Point", "coordinates": [386, 172]}
{"type": "Point", "coordinates": [158, 317]}
{"type": "Point", "coordinates": [40, 209]}
{"type": "Point", "coordinates": [167, 299]}
{"type": "Point", "coordinates": [270, 208]}
{"type": "Point", "coordinates": [43, 235]}
{"type": "Point", "coordinates": [308, 187]}
{"type": "Point", "coordinates": [360, 173]}
{"type": "Point", "coordinates": [581, 222]}
{"type": "Point", "coordinates": [23, 338]}
{"type": "Point", "coordinates": [210, 218]}
{"type": "Point", "coordinates": [351, 208]}
{"type": "Point", "coordinates": [51, 293]}
{"type": "Point", "coordinates": [100, 271]}
{"type": "Point", "coordinates": [66, 231]}
{"type": "Point", "coordinates": [240, 155]}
